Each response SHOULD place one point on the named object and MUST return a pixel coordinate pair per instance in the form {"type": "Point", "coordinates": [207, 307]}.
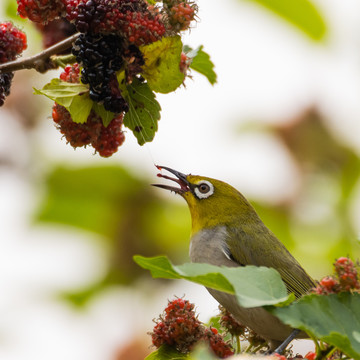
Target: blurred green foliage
{"type": "Point", "coordinates": [120, 207]}
{"type": "Point", "coordinates": [301, 13]}
{"type": "Point", "coordinates": [316, 223]}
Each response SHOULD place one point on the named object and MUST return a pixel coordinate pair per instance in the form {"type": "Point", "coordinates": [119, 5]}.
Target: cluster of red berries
{"type": "Point", "coordinates": [228, 322]}
{"type": "Point", "coordinates": [40, 11]}
{"type": "Point", "coordinates": [181, 14]}
{"type": "Point", "coordinates": [12, 44]}
{"type": "Point", "coordinates": [105, 140]}
{"type": "Point", "coordinates": [180, 328]}
{"type": "Point", "coordinates": [345, 278]}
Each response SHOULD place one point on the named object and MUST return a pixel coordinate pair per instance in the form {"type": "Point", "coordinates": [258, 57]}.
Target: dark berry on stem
{"type": "Point", "coordinates": [12, 44]}
{"type": "Point", "coordinates": [5, 84]}
{"type": "Point", "coordinates": [101, 56]}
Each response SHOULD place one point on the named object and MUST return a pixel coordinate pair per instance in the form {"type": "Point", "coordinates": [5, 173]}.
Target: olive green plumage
{"type": "Point", "coordinates": [226, 230]}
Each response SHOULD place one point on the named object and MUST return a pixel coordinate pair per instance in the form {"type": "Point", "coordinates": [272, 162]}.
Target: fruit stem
{"type": "Point", "coordinates": [64, 60]}
{"type": "Point", "coordinates": [238, 345]}
{"type": "Point", "coordinates": [326, 353]}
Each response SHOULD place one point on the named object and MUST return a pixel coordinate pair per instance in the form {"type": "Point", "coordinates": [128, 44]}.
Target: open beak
{"type": "Point", "coordinates": [180, 179]}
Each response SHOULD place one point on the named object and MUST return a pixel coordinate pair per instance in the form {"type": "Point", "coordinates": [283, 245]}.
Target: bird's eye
{"type": "Point", "coordinates": [204, 189]}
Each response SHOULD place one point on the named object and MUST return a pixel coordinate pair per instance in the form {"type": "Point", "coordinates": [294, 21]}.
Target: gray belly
{"type": "Point", "coordinates": [206, 247]}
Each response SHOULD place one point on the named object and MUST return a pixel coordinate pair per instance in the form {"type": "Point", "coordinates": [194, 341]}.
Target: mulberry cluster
{"type": "Point", "coordinates": [220, 348]}
{"type": "Point", "coordinates": [105, 140]}
{"type": "Point", "coordinates": [41, 11]}
{"type": "Point", "coordinates": [101, 56]}
{"type": "Point", "coordinates": [5, 85]}
{"type": "Point", "coordinates": [228, 322]}
{"type": "Point", "coordinates": [12, 44]}
{"type": "Point", "coordinates": [180, 328]}
{"type": "Point", "coordinates": [181, 14]}
{"type": "Point", "coordinates": [345, 278]}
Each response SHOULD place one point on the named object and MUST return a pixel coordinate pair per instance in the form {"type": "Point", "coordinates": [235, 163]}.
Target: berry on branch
{"type": "Point", "coordinates": [221, 348]}
{"type": "Point", "coordinates": [179, 327]}
{"type": "Point", "coordinates": [181, 15]}
{"type": "Point", "coordinates": [12, 44]}
{"type": "Point", "coordinates": [40, 11]}
{"type": "Point", "coordinates": [101, 57]}
{"type": "Point", "coordinates": [105, 140]}
{"type": "Point", "coordinates": [345, 278]}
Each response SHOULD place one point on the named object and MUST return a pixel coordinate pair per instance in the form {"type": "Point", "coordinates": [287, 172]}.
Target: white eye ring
{"type": "Point", "coordinates": [206, 192]}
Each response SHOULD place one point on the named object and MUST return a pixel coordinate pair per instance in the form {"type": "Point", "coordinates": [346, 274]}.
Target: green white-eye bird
{"type": "Point", "coordinates": [226, 230]}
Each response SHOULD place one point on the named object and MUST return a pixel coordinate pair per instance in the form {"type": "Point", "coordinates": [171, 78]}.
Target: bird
{"type": "Point", "coordinates": [227, 231]}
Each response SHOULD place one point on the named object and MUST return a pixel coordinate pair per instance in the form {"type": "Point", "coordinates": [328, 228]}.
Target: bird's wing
{"type": "Point", "coordinates": [262, 248]}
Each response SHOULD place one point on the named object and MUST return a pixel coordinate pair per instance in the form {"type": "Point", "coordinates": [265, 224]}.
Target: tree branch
{"type": "Point", "coordinates": [41, 62]}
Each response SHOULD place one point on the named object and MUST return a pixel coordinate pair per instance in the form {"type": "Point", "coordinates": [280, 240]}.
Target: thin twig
{"type": "Point", "coordinates": [40, 62]}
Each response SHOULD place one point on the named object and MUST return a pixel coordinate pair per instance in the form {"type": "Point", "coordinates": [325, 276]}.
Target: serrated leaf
{"type": "Point", "coordinates": [253, 286]}
{"type": "Point", "coordinates": [162, 64]}
{"type": "Point", "coordinates": [301, 13]}
{"type": "Point", "coordinates": [200, 62]}
{"type": "Point", "coordinates": [144, 111]}
{"type": "Point", "coordinates": [74, 97]}
{"type": "Point", "coordinates": [334, 319]}
{"type": "Point", "coordinates": [106, 116]}
{"type": "Point", "coordinates": [166, 352]}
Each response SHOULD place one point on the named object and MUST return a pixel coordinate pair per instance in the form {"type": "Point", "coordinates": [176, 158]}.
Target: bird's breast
{"type": "Point", "coordinates": [209, 246]}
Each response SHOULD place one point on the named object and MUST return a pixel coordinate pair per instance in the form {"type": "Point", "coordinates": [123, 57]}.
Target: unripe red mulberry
{"type": "Point", "coordinates": [181, 15]}
{"type": "Point", "coordinates": [105, 140]}
{"type": "Point", "coordinates": [221, 348]}
{"type": "Point", "coordinates": [12, 44]}
{"type": "Point", "coordinates": [178, 327]}
{"type": "Point", "coordinates": [40, 11]}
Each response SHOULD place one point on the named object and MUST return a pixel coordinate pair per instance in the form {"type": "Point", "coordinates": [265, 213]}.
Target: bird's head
{"type": "Point", "coordinates": [211, 202]}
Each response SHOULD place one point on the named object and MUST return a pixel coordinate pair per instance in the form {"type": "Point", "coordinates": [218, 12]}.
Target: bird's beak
{"type": "Point", "coordinates": [180, 179]}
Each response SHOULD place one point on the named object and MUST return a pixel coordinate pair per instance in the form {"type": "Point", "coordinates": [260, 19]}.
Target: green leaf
{"type": "Point", "coordinates": [144, 111]}
{"type": "Point", "coordinates": [253, 286]}
{"type": "Point", "coordinates": [159, 266]}
{"type": "Point", "coordinates": [334, 319]}
{"type": "Point", "coordinates": [166, 352]}
{"type": "Point", "coordinates": [162, 64]}
{"type": "Point", "coordinates": [106, 116]}
{"type": "Point", "coordinates": [74, 97]}
{"type": "Point", "coordinates": [80, 108]}
{"type": "Point", "coordinates": [200, 62]}
{"type": "Point", "coordinates": [301, 13]}
{"type": "Point", "coordinates": [62, 91]}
